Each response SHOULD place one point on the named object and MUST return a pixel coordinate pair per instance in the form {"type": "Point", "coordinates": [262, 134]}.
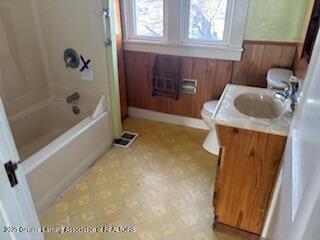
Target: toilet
{"type": "Point", "coordinates": [211, 142]}
{"type": "Point", "coordinates": [275, 79]}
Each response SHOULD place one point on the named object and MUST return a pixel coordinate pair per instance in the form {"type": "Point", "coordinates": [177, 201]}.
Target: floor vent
{"type": "Point", "coordinates": [125, 140]}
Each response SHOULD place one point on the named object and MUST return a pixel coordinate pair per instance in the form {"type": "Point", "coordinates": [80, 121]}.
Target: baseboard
{"type": "Point", "coordinates": [167, 118]}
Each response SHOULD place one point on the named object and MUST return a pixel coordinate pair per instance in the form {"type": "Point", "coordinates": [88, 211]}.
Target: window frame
{"type": "Point", "coordinates": [174, 41]}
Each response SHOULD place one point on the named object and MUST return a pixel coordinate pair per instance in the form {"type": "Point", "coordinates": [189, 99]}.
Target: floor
{"type": "Point", "coordinates": [162, 185]}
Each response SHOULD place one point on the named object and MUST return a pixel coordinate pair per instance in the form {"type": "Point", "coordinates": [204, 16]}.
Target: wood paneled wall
{"type": "Point", "coordinates": [300, 65]}
{"type": "Point", "coordinates": [258, 58]}
{"type": "Point", "coordinates": [212, 76]}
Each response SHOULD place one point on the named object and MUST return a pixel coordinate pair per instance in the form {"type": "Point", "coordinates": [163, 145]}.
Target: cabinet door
{"type": "Point", "coordinates": [246, 175]}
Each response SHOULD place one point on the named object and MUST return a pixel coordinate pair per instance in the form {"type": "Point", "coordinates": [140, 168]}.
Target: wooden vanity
{"type": "Point", "coordinates": [251, 150]}
{"type": "Point", "coordinates": [247, 169]}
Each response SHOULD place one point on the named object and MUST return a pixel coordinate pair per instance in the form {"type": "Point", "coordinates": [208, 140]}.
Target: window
{"type": "Point", "coordinates": [207, 20]}
{"type": "Point", "coordinates": [197, 28]}
{"type": "Point", "coordinates": [145, 19]}
{"type": "Point", "coordinates": [148, 18]}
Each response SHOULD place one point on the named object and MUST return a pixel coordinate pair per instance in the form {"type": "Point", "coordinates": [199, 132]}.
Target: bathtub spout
{"type": "Point", "coordinates": [73, 97]}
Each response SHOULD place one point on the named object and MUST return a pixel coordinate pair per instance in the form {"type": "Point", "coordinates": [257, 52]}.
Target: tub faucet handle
{"type": "Point", "coordinates": [73, 97]}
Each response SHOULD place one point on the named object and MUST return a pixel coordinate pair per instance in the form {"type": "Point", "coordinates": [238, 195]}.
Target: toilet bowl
{"type": "Point", "coordinates": [211, 142]}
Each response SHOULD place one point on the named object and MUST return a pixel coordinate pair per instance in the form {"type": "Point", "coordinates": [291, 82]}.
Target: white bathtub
{"type": "Point", "coordinates": [56, 146]}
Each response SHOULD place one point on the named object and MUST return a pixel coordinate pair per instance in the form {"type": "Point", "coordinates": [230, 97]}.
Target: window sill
{"type": "Point", "coordinates": [185, 50]}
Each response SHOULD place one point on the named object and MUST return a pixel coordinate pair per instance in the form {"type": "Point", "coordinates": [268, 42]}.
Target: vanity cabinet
{"type": "Point", "coordinates": [247, 170]}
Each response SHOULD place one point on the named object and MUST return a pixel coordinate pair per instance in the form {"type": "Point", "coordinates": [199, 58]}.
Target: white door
{"type": "Point", "coordinates": [16, 206]}
{"type": "Point", "coordinates": [297, 212]}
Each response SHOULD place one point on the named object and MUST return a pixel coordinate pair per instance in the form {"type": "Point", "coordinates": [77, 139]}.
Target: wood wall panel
{"type": "Point", "coordinates": [137, 76]}
{"type": "Point", "coordinates": [288, 55]}
{"type": "Point", "coordinates": [221, 70]}
{"type": "Point", "coordinates": [257, 59]}
{"type": "Point", "coordinates": [212, 76]}
{"type": "Point", "coordinates": [300, 67]}
{"type": "Point", "coordinates": [301, 64]}
{"type": "Point", "coordinates": [195, 68]}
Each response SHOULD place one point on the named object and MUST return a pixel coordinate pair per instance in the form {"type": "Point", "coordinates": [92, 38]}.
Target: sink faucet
{"type": "Point", "coordinates": [292, 92]}
{"type": "Point", "coordinates": [73, 97]}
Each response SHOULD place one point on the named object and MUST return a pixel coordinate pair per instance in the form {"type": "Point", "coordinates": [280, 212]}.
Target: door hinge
{"type": "Point", "coordinates": [11, 172]}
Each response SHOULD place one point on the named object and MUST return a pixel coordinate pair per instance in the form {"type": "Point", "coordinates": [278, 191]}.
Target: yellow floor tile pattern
{"type": "Point", "coordinates": [162, 185]}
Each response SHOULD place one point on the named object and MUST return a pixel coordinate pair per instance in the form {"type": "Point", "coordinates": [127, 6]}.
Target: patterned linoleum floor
{"type": "Point", "coordinates": [162, 185]}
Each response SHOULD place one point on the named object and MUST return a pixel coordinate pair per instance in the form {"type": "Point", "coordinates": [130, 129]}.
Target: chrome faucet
{"type": "Point", "coordinates": [292, 92]}
{"type": "Point", "coordinates": [73, 97]}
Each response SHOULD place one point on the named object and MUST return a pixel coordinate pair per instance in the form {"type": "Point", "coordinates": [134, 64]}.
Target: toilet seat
{"type": "Point", "coordinates": [210, 107]}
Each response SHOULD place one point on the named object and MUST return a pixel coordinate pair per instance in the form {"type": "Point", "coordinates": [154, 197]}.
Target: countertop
{"type": "Point", "coordinates": [226, 113]}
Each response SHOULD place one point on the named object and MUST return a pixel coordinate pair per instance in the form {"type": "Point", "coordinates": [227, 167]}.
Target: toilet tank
{"type": "Point", "coordinates": [276, 77]}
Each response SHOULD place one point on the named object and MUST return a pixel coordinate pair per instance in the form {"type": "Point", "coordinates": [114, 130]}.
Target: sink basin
{"type": "Point", "coordinates": [254, 109]}
{"type": "Point", "coordinates": [258, 105]}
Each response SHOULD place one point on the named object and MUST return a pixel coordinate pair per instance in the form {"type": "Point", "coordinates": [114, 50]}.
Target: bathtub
{"type": "Point", "coordinates": [56, 146]}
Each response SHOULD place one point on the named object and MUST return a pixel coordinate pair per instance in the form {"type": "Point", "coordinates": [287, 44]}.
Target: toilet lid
{"type": "Point", "coordinates": [276, 76]}
{"type": "Point", "coordinates": [210, 107]}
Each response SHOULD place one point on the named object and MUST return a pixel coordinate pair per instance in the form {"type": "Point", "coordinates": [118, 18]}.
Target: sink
{"type": "Point", "coordinates": [254, 109]}
{"type": "Point", "coordinates": [258, 105]}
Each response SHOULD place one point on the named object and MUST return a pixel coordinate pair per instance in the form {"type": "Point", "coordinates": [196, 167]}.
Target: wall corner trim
{"type": "Point", "coordinates": [167, 118]}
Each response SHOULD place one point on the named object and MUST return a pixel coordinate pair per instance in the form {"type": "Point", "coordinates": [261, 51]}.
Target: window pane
{"type": "Point", "coordinates": [207, 19]}
{"type": "Point", "coordinates": [149, 18]}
